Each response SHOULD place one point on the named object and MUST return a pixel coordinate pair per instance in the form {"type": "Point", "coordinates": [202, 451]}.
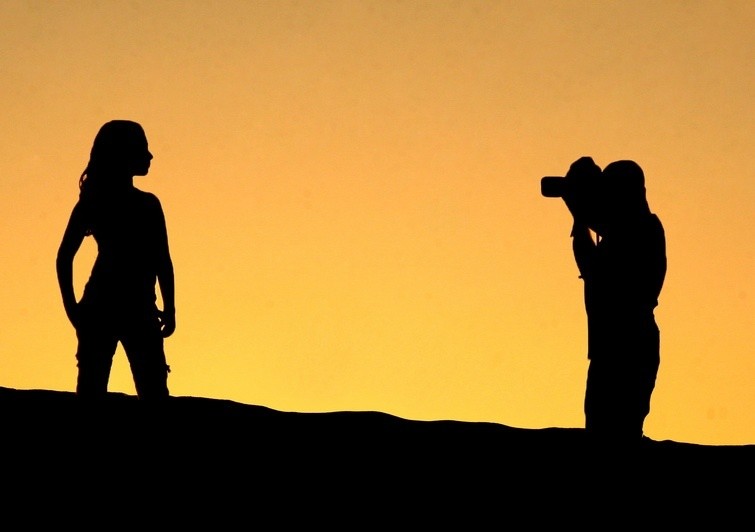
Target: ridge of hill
{"type": "Point", "coordinates": [223, 458]}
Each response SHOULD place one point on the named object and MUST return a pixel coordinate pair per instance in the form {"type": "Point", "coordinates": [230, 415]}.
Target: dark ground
{"type": "Point", "coordinates": [210, 462]}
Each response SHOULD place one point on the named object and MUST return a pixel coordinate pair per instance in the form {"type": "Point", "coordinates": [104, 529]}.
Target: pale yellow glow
{"type": "Point", "coordinates": [352, 195]}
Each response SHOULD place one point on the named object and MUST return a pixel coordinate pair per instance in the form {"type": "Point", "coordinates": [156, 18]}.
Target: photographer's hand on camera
{"type": "Point", "coordinates": [580, 190]}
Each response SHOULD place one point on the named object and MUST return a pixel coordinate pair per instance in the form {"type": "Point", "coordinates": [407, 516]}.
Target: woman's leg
{"type": "Point", "coordinates": [143, 343]}
{"type": "Point", "coordinates": [94, 355]}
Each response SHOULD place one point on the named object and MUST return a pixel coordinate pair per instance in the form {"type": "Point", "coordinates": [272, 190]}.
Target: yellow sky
{"type": "Point", "coordinates": [353, 204]}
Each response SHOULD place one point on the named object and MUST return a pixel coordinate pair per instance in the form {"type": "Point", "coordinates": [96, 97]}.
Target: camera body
{"type": "Point", "coordinates": [581, 188]}
{"type": "Point", "coordinates": [581, 182]}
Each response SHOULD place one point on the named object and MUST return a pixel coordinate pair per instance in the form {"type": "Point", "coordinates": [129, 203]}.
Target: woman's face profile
{"type": "Point", "coordinates": [141, 156]}
{"type": "Point", "coordinates": [122, 147]}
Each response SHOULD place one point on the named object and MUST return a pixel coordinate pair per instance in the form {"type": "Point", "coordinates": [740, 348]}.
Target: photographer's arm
{"type": "Point", "coordinates": [583, 247]}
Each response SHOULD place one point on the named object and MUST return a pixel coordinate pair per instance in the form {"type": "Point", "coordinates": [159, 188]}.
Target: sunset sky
{"type": "Point", "coordinates": [352, 192]}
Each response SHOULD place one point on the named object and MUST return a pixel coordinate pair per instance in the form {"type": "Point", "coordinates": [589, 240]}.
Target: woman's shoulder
{"type": "Point", "coordinates": [655, 224]}
{"type": "Point", "coordinates": [146, 196]}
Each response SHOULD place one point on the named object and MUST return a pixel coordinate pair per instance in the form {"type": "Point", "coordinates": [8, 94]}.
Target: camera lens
{"type": "Point", "coordinates": [552, 186]}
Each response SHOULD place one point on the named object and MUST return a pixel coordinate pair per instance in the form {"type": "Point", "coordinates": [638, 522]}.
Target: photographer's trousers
{"type": "Point", "coordinates": [620, 383]}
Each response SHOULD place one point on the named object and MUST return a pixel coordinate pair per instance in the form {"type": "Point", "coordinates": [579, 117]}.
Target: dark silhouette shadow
{"type": "Point", "coordinates": [623, 267]}
{"type": "Point", "coordinates": [220, 460]}
{"type": "Point", "coordinates": [119, 301]}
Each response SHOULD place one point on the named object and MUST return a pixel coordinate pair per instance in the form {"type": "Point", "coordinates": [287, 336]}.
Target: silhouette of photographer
{"type": "Point", "coordinates": [119, 301]}
{"type": "Point", "coordinates": [623, 269]}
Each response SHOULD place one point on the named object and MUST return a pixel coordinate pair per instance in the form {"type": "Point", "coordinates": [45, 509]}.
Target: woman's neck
{"type": "Point", "coordinates": [121, 181]}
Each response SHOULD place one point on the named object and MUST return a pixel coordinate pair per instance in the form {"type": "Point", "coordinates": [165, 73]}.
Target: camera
{"type": "Point", "coordinates": [552, 186]}
{"type": "Point", "coordinates": [583, 190]}
{"type": "Point", "coordinates": [581, 183]}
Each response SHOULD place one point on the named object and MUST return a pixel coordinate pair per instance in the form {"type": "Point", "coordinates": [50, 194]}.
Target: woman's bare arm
{"type": "Point", "coordinates": [72, 238]}
{"type": "Point", "coordinates": [165, 278]}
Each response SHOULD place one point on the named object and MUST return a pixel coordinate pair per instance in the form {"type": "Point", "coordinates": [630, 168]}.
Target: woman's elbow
{"type": "Point", "coordinates": [61, 259]}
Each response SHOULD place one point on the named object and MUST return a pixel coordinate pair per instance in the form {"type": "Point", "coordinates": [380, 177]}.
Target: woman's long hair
{"type": "Point", "coordinates": [113, 148]}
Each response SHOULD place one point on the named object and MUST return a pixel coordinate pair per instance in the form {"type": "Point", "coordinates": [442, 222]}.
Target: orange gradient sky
{"type": "Point", "coordinates": [353, 203]}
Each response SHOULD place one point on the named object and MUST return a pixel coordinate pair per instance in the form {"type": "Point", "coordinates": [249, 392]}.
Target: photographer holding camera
{"type": "Point", "coordinates": [623, 269]}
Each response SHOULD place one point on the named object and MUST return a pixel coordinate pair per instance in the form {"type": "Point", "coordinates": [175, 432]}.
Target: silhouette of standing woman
{"type": "Point", "coordinates": [119, 302]}
{"type": "Point", "coordinates": [623, 271]}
